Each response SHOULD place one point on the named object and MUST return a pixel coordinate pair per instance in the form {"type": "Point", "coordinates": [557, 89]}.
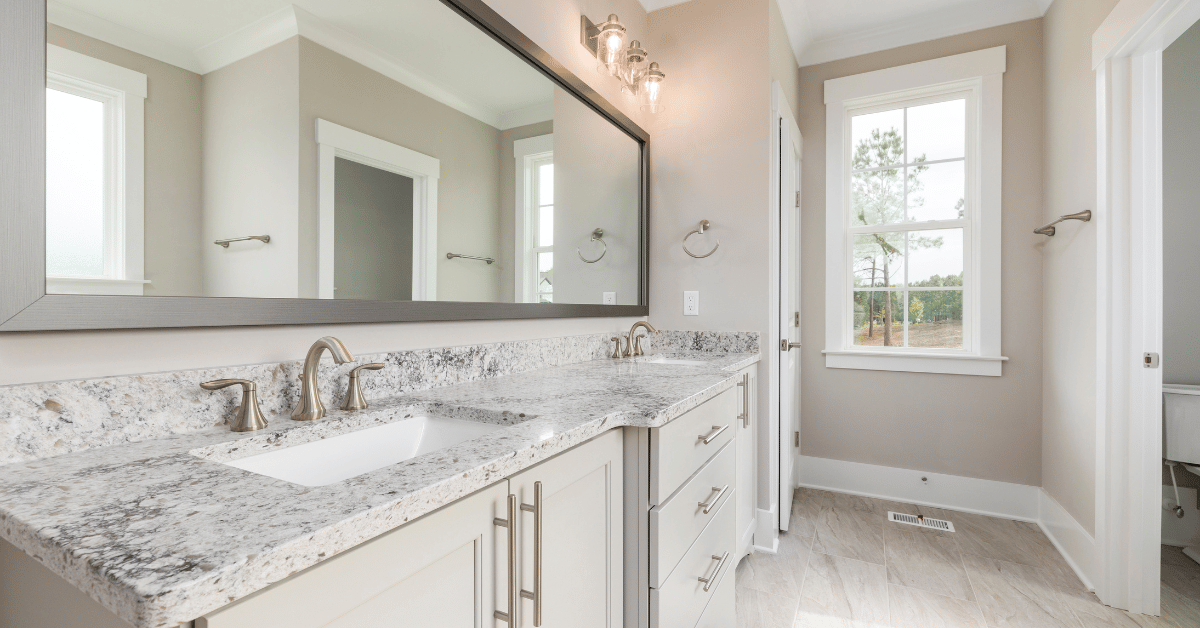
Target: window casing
{"type": "Point", "coordinates": [913, 217]}
{"type": "Point", "coordinates": [95, 175]}
{"type": "Point", "coordinates": [534, 246]}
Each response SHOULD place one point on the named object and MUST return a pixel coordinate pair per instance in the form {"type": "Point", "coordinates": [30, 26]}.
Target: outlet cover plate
{"type": "Point", "coordinates": [610, 298]}
{"type": "Point", "coordinates": [691, 303]}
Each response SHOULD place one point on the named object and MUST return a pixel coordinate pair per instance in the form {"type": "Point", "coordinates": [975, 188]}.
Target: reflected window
{"type": "Point", "coordinates": [535, 219]}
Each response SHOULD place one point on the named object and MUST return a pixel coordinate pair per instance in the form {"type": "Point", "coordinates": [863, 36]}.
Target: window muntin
{"type": "Point", "coordinates": [910, 223]}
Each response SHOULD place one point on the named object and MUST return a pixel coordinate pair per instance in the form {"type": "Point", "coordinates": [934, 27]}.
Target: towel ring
{"type": "Point", "coordinates": [704, 225]}
{"type": "Point", "coordinates": [598, 234]}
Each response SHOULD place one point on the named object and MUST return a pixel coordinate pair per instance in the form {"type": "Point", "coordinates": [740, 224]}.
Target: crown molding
{"type": "Point", "coordinates": [964, 19]}
{"type": "Point", "coordinates": [654, 5]}
{"type": "Point", "coordinates": [99, 28]}
{"type": "Point", "coordinates": [532, 114]}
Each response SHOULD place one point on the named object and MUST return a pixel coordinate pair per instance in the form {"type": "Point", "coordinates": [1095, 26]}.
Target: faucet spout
{"type": "Point", "coordinates": [310, 407]}
{"type": "Point", "coordinates": [635, 342]}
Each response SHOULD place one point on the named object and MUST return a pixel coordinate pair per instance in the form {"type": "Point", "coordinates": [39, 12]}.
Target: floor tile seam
{"type": "Point", "coordinates": [887, 593]}
{"type": "Point", "coordinates": [962, 559]}
{"type": "Point", "coordinates": [974, 603]}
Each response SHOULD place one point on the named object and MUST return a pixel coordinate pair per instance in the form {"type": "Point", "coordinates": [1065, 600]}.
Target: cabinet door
{"type": "Point", "coordinates": [439, 571]}
{"type": "Point", "coordinates": [581, 537]}
{"type": "Point", "coordinates": [747, 461]}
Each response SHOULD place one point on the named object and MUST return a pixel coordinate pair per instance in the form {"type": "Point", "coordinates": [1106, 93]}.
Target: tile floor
{"type": "Point", "coordinates": [843, 565]}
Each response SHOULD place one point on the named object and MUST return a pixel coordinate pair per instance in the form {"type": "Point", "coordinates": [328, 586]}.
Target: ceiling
{"type": "Point", "coordinates": [419, 43]}
{"type": "Point", "coordinates": [826, 30]}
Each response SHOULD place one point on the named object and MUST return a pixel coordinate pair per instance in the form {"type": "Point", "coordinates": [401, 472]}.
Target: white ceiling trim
{"type": "Point", "coordinates": [945, 23]}
{"type": "Point", "coordinates": [540, 112]}
{"type": "Point", "coordinates": [654, 5]}
{"type": "Point", "coordinates": [121, 36]}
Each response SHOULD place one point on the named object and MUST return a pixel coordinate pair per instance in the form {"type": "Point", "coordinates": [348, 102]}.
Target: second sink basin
{"type": "Point", "coordinates": [345, 456]}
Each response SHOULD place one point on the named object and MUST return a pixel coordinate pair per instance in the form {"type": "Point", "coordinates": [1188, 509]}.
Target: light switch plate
{"type": "Point", "coordinates": [610, 298]}
{"type": "Point", "coordinates": [691, 303]}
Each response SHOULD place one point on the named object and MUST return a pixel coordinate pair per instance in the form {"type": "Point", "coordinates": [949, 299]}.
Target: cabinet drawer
{"type": "Point", "coordinates": [676, 523]}
{"type": "Point", "coordinates": [678, 448]}
{"type": "Point", "coordinates": [682, 598]}
{"type": "Point", "coordinates": [721, 611]}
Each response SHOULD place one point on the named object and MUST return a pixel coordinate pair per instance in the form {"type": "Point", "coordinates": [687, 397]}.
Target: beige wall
{"type": "Point", "coordinates": [342, 91]}
{"type": "Point", "coordinates": [372, 242]}
{"type": "Point", "coordinates": [172, 178]}
{"type": "Point", "coordinates": [251, 186]}
{"type": "Point", "coordinates": [981, 427]}
{"type": "Point", "coordinates": [508, 204]}
{"type": "Point", "coordinates": [783, 61]}
{"type": "Point", "coordinates": [1181, 212]}
{"type": "Point", "coordinates": [710, 159]}
{"type": "Point", "coordinates": [48, 356]}
{"type": "Point", "coordinates": [1068, 259]}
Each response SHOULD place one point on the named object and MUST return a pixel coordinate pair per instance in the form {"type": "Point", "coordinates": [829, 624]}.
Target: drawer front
{"type": "Point", "coordinates": [676, 523]}
{"type": "Point", "coordinates": [721, 611]}
{"type": "Point", "coordinates": [682, 598]}
{"type": "Point", "coordinates": [678, 448]}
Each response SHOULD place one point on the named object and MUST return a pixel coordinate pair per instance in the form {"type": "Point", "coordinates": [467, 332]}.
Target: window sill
{"type": "Point", "coordinates": [953, 364]}
{"type": "Point", "coordinates": [91, 285]}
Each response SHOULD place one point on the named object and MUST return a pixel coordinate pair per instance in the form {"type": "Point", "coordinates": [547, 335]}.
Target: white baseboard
{"type": "Point", "coordinates": [1075, 544]}
{"type": "Point", "coordinates": [766, 533]}
{"type": "Point", "coordinates": [952, 492]}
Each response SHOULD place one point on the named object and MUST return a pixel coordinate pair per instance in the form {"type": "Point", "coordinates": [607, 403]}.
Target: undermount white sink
{"type": "Point", "coordinates": [662, 359]}
{"type": "Point", "coordinates": [345, 456]}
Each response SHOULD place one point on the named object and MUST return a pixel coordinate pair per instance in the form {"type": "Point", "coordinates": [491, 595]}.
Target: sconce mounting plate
{"type": "Point", "coordinates": [589, 34]}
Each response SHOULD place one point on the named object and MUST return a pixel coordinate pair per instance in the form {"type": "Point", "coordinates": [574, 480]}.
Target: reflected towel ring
{"type": "Point", "coordinates": [704, 225]}
{"type": "Point", "coordinates": [598, 234]}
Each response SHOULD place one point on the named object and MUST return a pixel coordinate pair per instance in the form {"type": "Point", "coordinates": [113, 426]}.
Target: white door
{"type": "Point", "coordinates": [581, 545]}
{"type": "Point", "coordinates": [789, 306]}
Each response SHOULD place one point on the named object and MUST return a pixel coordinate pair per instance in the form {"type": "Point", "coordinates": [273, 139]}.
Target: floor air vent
{"type": "Point", "coordinates": [922, 521]}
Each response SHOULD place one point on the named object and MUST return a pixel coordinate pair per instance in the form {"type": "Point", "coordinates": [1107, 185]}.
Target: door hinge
{"type": "Point", "coordinates": [797, 200]}
{"type": "Point", "coordinates": [796, 440]}
{"type": "Point", "coordinates": [1150, 360]}
{"type": "Point", "coordinates": [796, 320]}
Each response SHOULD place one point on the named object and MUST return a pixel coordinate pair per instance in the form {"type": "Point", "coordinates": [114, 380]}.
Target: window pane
{"type": "Point", "coordinates": [546, 184]}
{"type": "Point", "coordinates": [545, 276]}
{"type": "Point", "coordinates": [74, 185]}
{"type": "Point", "coordinates": [877, 197]}
{"type": "Point", "coordinates": [877, 139]}
{"type": "Point", "coordinates": [935, 319]}
{"type": "Point", "coordinates": [879, 259]}
{"type": "Point", "coordinates": [937, 131]}
{"type": "Point", "coordinates": [546, 226]}
{"type": "Point", "coordinates": [937, 192]}
{"type": "Point", "coordinates": [871, 309]}
{"type": "Point", "coordinates": [935, 258]}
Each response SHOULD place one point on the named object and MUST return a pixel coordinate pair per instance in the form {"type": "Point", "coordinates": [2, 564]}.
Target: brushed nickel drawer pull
{"type": "Point", "coordinates": [712, 500]}
{"type": "Point", "coordinates": [711, 436]}
{"type": "Point", "coordinates": [513, 599]}
{"type": "Point", "coordinates": [708, 580]}
{"type": "Point", "coordinates": [536, 594]}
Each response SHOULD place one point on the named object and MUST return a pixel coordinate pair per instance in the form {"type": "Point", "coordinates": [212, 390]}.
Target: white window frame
{"type": "Point", "coordinates": [123, 92]}
{"type": "Point", "coordinates": [979, 75]}
{"type": "Point", "coordinates": [528, 154]}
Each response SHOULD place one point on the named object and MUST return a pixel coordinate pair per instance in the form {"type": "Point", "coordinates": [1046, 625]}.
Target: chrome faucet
{"type": "Point", "coordinates": [633, 344]}
{"type": "Point", "coordinates": [310, 407]}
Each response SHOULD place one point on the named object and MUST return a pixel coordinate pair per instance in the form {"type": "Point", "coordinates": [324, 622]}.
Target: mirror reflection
{"type": "Point", "coordinates": [334, 149]}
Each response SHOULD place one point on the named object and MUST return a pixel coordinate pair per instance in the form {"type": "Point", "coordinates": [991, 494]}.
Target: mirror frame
{"type": "Point", "coordinates": [25, 306]}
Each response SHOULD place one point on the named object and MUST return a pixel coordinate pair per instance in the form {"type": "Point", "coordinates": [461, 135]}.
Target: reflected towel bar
{"type": "Point", "coordinates": [1048, 230]}
{"type": "Point", "coordinates": [489, 260]}
{"type": "Point", "coordinates": [225, 243]}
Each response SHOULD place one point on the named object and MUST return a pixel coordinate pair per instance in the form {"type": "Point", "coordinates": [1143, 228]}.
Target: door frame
{"type": "Point", "coordinates": [1127, 59]}
{"type": "Point", "coordinates": [336, 141]}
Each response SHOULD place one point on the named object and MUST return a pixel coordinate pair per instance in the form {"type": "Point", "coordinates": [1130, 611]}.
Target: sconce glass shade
{"type": "Point", "coordinates": [634, 68]}
{"type": "Point", "coordinates": [650, 89]}
{"type": "Point", "coordinates": [610, 46]}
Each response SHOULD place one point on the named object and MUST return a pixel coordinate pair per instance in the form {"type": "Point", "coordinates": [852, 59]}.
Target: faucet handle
{"type": "Point", "coordinates": [617, 350]}
{"type": "Point", "coordinates": [637, 344]}
{"type": "Point", "coordinates": [249, 417]}
{"type": "Point", "coordinates": [354, 398]}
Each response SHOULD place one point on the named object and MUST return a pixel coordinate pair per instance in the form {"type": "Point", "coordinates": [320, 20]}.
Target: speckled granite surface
{"type": "Point", "coordinates": [160, 532]}
{"type": "Point", "coordinates": [40, 420]}
{"type": "Point", "coordinates": [706, 341]}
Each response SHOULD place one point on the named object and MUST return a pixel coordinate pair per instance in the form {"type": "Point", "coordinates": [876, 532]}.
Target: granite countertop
{"type": "Point", "coordinates": [160, 532]}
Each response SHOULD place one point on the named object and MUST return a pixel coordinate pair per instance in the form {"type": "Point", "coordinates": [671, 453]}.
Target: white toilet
{"type": "Point", "coordinates": [1181, 432]}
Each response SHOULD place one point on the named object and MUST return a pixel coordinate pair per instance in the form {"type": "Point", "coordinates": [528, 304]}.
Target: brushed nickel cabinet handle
{"type": "Point", "coordinates": [536, 594]}
{"type": "Point", "coordinates": [708, 580]}
{"type": "Point", "coordinates": [745, 385]}
{"type": "Point", "coordinates": [713, 499]}
{"type": "Point", "coordinates": [513, 599]}
{"type": "Point", "coordinates": [711, 436]}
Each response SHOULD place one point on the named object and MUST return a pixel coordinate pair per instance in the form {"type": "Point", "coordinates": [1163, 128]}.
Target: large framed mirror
{"type": "Point", "coordinates": [176, 163]}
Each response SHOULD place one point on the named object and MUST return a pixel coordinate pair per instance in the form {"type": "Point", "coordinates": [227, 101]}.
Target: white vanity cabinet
{"type": "Point", "coordinates": [747, 459]}
{"type": "Point", "coordinates": [450, 569]}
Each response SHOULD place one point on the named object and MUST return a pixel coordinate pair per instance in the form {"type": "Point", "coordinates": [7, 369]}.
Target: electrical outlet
{"type": "Point", "coordinates": [610, 298]}
{"type": "Point", "coordinates": [691, 303]}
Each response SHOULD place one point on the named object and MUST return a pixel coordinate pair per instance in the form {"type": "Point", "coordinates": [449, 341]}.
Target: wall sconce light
{"type": "Point", "coordinates": [638, 77]}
